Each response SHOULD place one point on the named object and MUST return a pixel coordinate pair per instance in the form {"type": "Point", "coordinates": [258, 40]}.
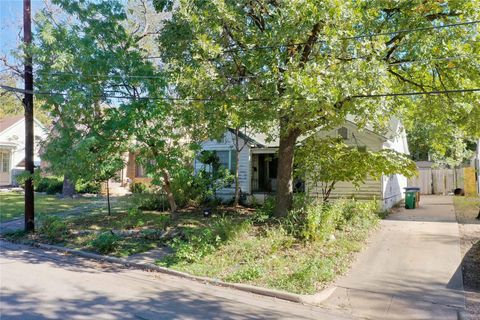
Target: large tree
{"type": "Point", "coordinates": [305, 65]}
{"type": "Point", "coordinates": [95, 65]}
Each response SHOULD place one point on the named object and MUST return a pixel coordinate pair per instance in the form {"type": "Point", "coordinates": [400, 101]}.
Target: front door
{"type": "Point", "coordinates": [5, 168]}
{"type": "Point", "coordinates": [267, 172]}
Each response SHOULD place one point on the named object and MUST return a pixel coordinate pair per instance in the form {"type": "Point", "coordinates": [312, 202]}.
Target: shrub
{"type": "Point", "coordinates": [54, 187]}
{"type": "Point", "coordinates": [106, 242]}
{"type": "Point", "coordinates": [133, 219]}
{"type": "Point", "coordinates": [42, 185]}
{"type": "Point", "coordinates": [53, 228]}
{"type": "Point", "coordinates": [185, 188]}
{"type": "Point", "coordinates": [247, 273]}
{"type": "Point", "coordinates": [318, 221]}
{"type": "Point", "coordinates": [82, 186]}
{"type": "Point", "coordinates": [138, 187]}
{"type": "Point", "coordinates": [199, 243]}
{"type": "Point", "coordinates": [50, 185]}
{"type": "Point", "coordinates": [264, 212]}
{"type": "Point", "coordinates": [225, 229]}
{"type": "Point", "coordinates": [150, 201]}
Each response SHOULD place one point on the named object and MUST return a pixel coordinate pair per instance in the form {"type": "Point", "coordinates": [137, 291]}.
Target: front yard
{"type": "Point", "coordinates": [466, 210]}
{"type": "Point", "coordinates": [300, 254]}
{"type": "Point", "coordinates": [12, 205]}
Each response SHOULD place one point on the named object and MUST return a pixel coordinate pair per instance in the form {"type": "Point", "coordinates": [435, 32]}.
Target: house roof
{"type": "Point", "coordinates": [7, 122]}
{"type": "Point", "coordinates": [272, 140]}
{"type": "Point", "coordinates": [259, 140]}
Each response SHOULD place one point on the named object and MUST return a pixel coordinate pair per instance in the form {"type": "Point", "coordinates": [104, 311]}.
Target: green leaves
{"type": "Point", "coordinates": [237, 50]}
{"type": "Point", "coordinates": [328, 161]}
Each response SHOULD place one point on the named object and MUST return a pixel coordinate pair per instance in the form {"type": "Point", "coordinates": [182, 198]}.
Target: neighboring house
{"type": "Point", "coordinates": [259, 161]}
{"type": "Point", "coordinates": [12, 147]}
{"type": "Point", "coordinates": [134, 172]}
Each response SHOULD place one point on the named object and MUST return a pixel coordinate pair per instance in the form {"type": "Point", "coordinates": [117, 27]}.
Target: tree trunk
{"type": "Point", "coordinates": [108, 198]}
{"type": "Point", "coordinates": [168, 190]}
{"type": "Point", "coordinates": [285, 173]}
{"type": "Point", "coordinates": [68, 189]}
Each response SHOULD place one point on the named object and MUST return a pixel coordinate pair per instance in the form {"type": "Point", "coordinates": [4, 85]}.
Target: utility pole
{"type": "Point", "coordinates": [28, 103]}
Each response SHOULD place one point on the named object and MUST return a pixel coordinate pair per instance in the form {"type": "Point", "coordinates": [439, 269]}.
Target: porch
{"type": "Point", "coordinates": [264, 168]}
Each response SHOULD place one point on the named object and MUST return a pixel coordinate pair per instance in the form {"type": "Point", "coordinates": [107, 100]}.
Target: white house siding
{"type": "Point", "coordinates": [371, 189]}
{"type": "Point", "coordinates": [393, 186]}
{"type": "Point", "coordinates": [228, 143]}
{"type": "Point", "coordinates": [14, 137]}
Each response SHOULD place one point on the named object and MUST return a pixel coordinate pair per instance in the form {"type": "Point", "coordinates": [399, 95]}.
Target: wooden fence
{"type": "Point", "coordinates": [444, 181]}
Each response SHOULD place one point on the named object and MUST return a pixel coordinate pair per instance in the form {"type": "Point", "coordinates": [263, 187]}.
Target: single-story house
{"type": "Point", "coordinates": [12, 147]}
{"type": "Point", "coordinates": [258, 163]}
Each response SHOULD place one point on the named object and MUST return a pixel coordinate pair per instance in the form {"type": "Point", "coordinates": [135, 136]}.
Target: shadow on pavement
{"type": "Point", "coordinates": [24, 304]}
{"type": "Point", "coordinates": [68, 287]}
{"type": "Point", "coordinates": [55, 259]}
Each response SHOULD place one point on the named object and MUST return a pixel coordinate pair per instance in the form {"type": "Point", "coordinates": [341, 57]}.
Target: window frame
{"type": "Point", "coordinates": [231, 153]}
{"type": "Point", "coordinates": [5, 155]}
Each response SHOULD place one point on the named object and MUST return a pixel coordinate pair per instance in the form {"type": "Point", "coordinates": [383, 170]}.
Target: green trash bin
{"type": "Point", "coordinates": [410, 199]}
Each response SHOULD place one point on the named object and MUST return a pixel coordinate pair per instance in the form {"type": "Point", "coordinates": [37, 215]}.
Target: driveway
{"type": "Point", "coordinates": [410, 269]}
{"type": "Point", "coordinates": [37, 284]}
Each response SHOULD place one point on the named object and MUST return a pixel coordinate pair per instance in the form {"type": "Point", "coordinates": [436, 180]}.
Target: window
{"type": "Point", "coordinates": [223, 158]}
{"type": "Point", "coordinates": [139, 171]}
{"type": "Point", "coordinates": [227, 159]}
{"type": "Point", "coordinates": [4, 162]}
{"type": "Point", "coordinates": [343, 133]}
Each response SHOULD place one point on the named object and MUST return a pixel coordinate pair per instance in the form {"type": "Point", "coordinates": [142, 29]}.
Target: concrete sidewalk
{"type": "Point", "coordinates": [411, 268]}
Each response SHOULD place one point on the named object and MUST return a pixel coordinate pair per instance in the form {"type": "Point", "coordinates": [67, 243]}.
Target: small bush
{"type": "Point", "coordinates": [106, 242]}
{"type": "Point", "coordinates": [247, 273]}
{"type": "Point", "coordinates": [82, 186]}
{"type": "Point", "coordinates": [133, 219]}
{"type": "Point", "coordinates": [50, 185]}
{"type": "Point", "coordinates": [150, 201]}
{"type": "Point", "coordinates": [138, 187]}
{"type": "Point", "coordinates": [53, 228]}
{"type": "Point", "coordinates": [226, 229]}
{"type": "Point", "coordinates": [185, 189]}
{"type": "Point", "coordinates": [198, 243]}
{"type": "Point", "coordinates": [264, 212]}
{"type": "Point", "coordinates": [54, 188]}
{"type": "Point", "coordinates": [319, 221]}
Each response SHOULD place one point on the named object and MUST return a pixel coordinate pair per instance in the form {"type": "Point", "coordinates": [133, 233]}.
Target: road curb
{"type": "Point", "coordinates": [314, 299]}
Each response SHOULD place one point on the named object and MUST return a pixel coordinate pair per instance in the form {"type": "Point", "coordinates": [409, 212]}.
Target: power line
{"type": "Point", "coordinates": [432, 59]}
{"type": "Point", "coordinates": [414, 30]}
{"type": "Point", "coordinates": [96, 76]}
{"type": "Point", "coordinates": [419, 93]}
{"type": "Point", "coordinates": [380, 95]}
{"type": "Point", "coordinates": [346, 38]}
{"type": "Point", "coordinates": [371, 35]}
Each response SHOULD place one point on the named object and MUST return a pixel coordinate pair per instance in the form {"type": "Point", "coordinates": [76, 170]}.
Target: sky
{"type": "Point", "coordinates": [11, 22]}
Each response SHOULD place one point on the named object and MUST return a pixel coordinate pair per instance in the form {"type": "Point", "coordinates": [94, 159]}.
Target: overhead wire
{"type": "Point", "coordinates": [371, 35]}
{"type": "Point", "coordinates": [358, 96]}
{"type": "Point", "coordinates": [254, 76]}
